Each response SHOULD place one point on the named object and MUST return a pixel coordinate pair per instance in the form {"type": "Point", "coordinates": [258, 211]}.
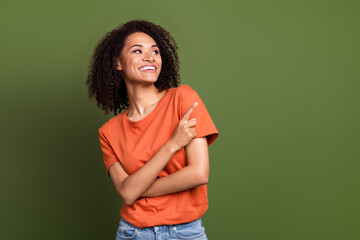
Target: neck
{"type": "Point", "coordinates": [143, 98]}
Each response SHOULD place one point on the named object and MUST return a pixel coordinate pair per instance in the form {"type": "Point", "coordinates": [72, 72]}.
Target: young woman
{"type": "Point", "coordinates": [155, 148]}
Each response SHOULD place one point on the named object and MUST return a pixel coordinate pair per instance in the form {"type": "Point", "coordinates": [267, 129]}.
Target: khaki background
{"type": "Point", "coordinates": [279, 78]}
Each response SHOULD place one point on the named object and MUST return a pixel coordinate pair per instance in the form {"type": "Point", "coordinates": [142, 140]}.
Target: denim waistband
{"type": "Point", "coordinates": [159, 226]}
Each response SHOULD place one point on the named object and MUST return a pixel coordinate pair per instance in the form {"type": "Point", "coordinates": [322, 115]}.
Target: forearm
{"type": "Point", "coordinates": [181, 180]}
{"type": "Point", "coordinates": [131, 187]}
{"type": "Point", "coordinates": [138, 182]}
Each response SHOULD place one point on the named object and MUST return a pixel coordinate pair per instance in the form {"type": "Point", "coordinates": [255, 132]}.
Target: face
{"type": "Point", "coordinates": [140, 59]}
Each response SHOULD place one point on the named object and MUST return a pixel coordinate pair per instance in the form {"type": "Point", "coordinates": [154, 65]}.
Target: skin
{"type": "Point", "coordinates": [139, 50]}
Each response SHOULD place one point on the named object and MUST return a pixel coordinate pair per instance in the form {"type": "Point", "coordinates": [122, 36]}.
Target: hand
{"type": "Point", "coordinates": [184, 131]}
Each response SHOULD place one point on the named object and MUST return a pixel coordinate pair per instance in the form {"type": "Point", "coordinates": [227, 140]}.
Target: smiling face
{"type": "Point", "coordinates": [140, 59]}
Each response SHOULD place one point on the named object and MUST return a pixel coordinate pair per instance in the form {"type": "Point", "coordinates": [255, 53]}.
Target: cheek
{"type": "Point", "coordinates": [159, 60]}
{"type": "Point", "coordinates": [129, 69]}
{"type": "Point", "coordinates": [131, 63]}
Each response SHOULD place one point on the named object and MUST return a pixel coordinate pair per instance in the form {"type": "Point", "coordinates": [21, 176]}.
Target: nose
{"type": "Point", "coordinates": [148, 57]}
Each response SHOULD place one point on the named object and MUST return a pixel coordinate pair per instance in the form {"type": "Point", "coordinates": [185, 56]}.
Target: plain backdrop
{"type": "Point", "coordinates": [279, 78]}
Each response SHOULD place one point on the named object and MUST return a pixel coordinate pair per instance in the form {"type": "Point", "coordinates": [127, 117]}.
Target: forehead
{"type": "Point", "coordinates": [139, 38]}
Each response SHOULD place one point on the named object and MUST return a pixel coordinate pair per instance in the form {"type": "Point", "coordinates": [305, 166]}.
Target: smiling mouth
{"type": "Point", "coordinates": [148, 68]}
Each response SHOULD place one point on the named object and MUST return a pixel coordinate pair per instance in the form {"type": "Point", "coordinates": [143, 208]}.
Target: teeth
{"type": "Point", "coordinates": [147, 68]}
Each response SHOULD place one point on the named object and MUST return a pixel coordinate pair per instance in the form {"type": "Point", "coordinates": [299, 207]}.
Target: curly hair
{"type": "Point", "coordinates": [105, 82]}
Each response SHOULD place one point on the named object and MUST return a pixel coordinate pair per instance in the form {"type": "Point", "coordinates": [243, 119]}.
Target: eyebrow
{"type": "Point", "coordinates": [139, 45]}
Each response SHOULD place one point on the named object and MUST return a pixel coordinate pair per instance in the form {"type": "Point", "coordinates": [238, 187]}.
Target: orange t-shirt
{"type": "Point", "coordinates": [134, 143]}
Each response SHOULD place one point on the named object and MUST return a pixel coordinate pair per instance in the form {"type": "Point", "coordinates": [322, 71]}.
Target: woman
{"type": "Point", "coordinates": [156, 150]}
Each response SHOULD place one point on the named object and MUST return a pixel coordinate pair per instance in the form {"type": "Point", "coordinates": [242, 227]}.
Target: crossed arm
{"type": "Point", "coordinates": [196, 173]}
{"type": "Point", "coordinates": [144, 182]}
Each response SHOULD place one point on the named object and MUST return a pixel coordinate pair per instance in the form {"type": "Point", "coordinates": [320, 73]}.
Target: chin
{"type": "Point", "coordinates": [146, 79]}
{"type": "Point", "coordinates": [149, 81]}
{"type": "Point", "coordinates": [152, 80]}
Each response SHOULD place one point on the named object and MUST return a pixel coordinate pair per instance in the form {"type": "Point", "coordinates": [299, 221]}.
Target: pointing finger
{"type": "Point", "coordinates": [189, 111]}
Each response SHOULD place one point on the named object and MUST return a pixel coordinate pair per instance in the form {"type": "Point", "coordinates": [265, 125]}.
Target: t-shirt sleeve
{"type": "Point", "coordinates": [204, 127]}
{"type": "Point", "coordinates": [109, 156]}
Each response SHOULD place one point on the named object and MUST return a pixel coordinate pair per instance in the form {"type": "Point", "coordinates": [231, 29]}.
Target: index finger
{"type": "Point", "coordinates": [189, 111]}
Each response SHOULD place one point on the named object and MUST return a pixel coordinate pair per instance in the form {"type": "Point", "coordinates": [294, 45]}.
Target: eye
{"type": "Point", "coordinates": [156, 51]}
{"type": "Point", "coordinates": [137, 51]}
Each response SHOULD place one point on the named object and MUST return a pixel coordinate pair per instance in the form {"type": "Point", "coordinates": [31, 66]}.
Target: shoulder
{"type": "Point", "coordinates": [184, 88]}
{"type": "Point", "coordinates": [184, 91]}
{"type": "Point", "coordinates": [111, 124]}
{"type": "Point", "coordinates": [184, 94]}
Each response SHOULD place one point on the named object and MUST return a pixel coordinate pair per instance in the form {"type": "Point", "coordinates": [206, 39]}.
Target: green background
{"type": "Point", "coordinates": [279, 78]}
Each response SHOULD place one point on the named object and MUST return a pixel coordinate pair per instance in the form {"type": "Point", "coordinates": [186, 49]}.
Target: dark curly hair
{"type": "Point", "coordinates": [105, 82]}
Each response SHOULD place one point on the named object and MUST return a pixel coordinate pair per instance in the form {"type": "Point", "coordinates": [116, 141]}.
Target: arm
{"type": "Point", "coordinates": [130, 187]}
{"type": "Point", "coordinates": [196, 173]}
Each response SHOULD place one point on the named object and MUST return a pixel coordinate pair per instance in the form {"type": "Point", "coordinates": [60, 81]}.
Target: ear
{"type": "Point", "coordinates": [119, 67]}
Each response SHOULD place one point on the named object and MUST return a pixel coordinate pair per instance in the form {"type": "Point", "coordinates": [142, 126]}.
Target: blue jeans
{"type": "Point", "coordinates": [191, 230]}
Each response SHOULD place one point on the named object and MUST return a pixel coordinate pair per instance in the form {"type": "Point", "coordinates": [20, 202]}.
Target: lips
{"type": "Point", "coordinates": [148, 68]}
